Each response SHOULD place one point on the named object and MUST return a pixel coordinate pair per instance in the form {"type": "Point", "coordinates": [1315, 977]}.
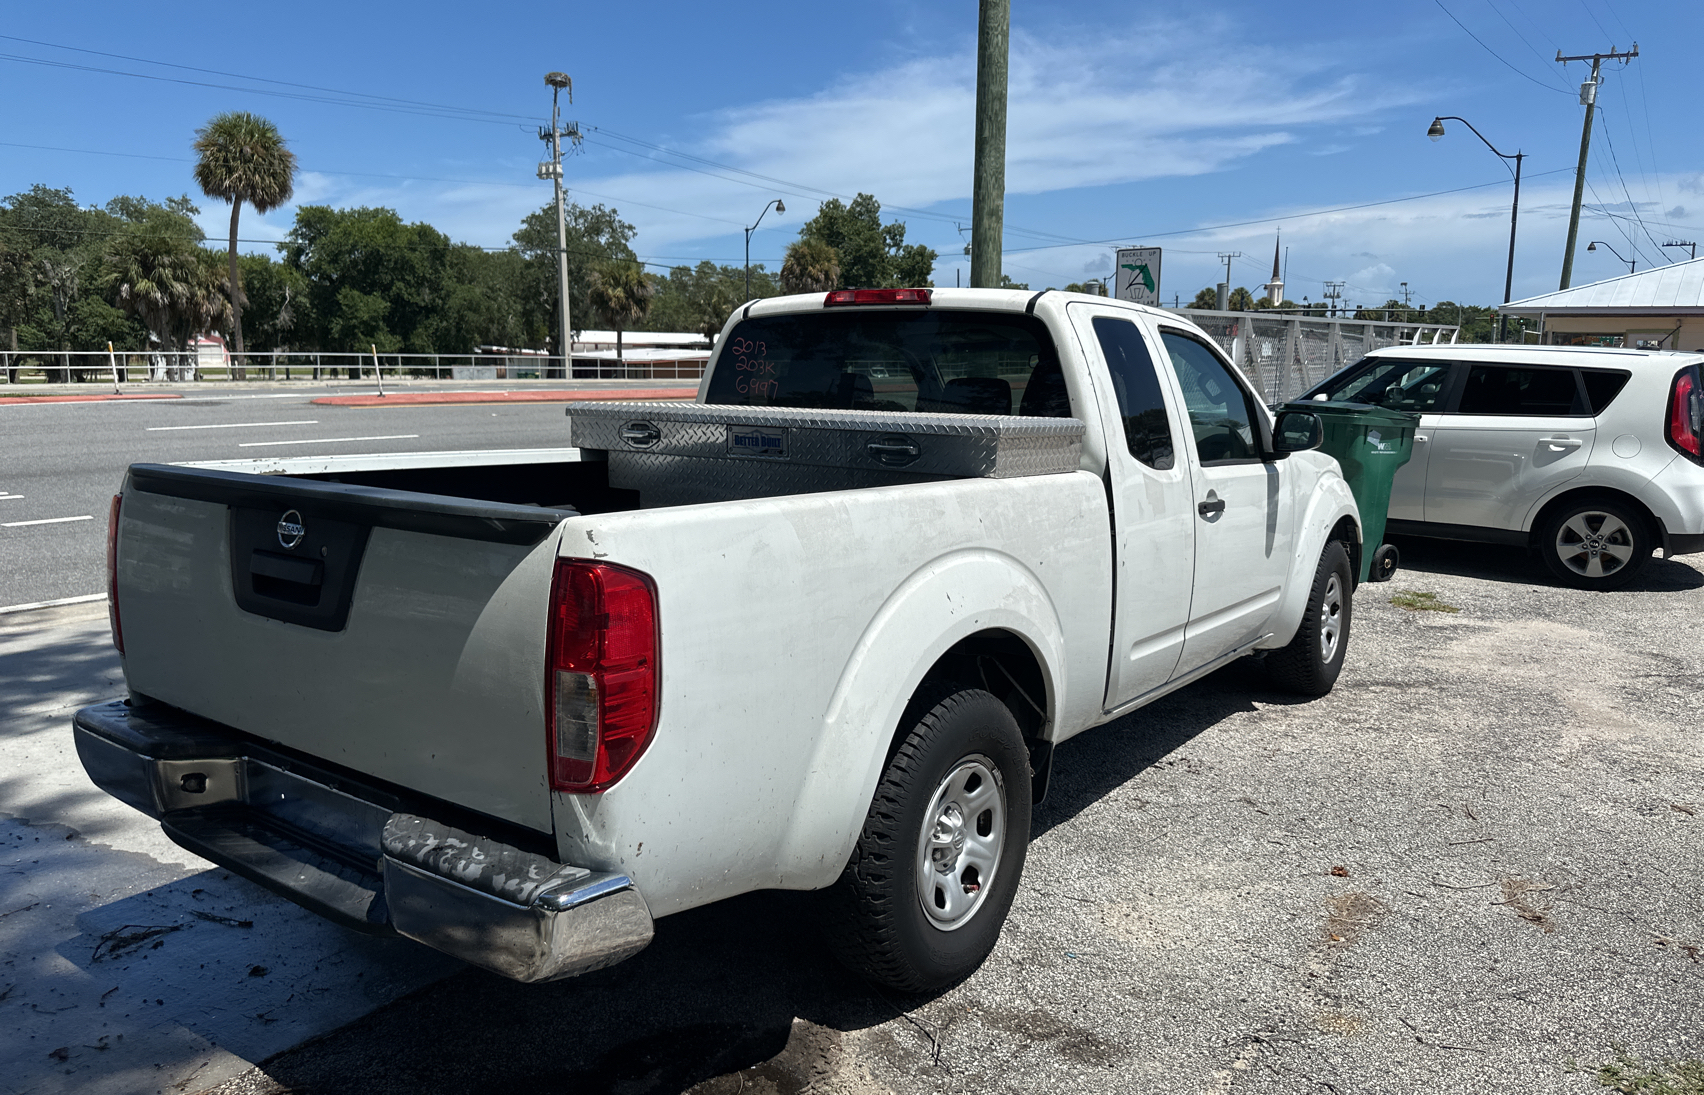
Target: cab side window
{"type": "Point", "coordinates": [1147, 430]}
{"type": "Point", "coordinates": [1221, 413]}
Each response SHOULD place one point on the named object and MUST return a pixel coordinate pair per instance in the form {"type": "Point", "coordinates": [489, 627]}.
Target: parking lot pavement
{"type": "Point", "coordinates": [1473, 867]}
{"type": "Point", "coordinates": [127, 964]}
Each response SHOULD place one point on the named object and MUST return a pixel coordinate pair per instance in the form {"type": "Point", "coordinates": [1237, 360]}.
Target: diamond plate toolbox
{"type": "Point", "coordinates": [678, 454]}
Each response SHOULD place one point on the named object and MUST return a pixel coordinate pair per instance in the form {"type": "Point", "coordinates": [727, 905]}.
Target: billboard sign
{"type": "Point", "coordinates": [1138, 275]}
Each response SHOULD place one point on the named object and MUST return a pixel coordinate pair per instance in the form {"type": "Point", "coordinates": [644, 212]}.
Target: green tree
{"type": "Point", "coordinates": [1207, 299]}
{"type": "Point", "coordinates": [621, 294]}
{"type": "Point", "coordinates": [1006, 282]}
{"type": "Point", "coordinates": [700, 298]}
{"type": "Point", "coordinates": [277, 302]}
{"type": "Point", "coordinates": [596, 235]}
{"type": "Point", "coordinates": [871, 255]}
{"type": "Point", "coordinates": [242, 158]}
{"type": "Point", "coordinates": [156, 271]}
{"type": "Point", "coordinates": [1240, 300]}
{"type": "Point", "coordinates": [379, 258]}
{"type": "Point", "coordinates": [810, 266]}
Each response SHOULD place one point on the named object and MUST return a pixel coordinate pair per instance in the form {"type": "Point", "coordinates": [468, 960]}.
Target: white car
{"type": "Point", "coordinates": [1592, 457]}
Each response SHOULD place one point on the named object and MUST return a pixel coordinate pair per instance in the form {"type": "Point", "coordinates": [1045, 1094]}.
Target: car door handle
{"type": "Point", "coordinates": [1560, 443]}
{"type": "Point", "coordinates": [1421, 439]}
{"type": "Point", "coordinates": [1209, 508]}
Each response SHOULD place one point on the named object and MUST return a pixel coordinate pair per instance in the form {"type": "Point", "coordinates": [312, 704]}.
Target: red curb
{"type": "Point", "coordinates": [397, 399]}
{"type": "Point", "coordinates": [6, 399]}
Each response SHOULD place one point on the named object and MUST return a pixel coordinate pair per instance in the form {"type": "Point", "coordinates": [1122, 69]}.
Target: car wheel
{"type": "Point", "coordinates": [1309, 665]}
{"type": "Point", "coordinates": [926, 891]}
{"type": "Point", "coordinates": [1595, 544]}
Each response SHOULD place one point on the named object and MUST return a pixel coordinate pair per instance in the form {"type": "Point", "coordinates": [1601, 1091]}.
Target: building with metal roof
{"type": "Point", "coordinates": [1657, 309]}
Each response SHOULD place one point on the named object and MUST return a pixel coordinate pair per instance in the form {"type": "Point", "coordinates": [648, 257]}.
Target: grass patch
{"type": "Point", "coordinates": [1421, 602]}
{"type": "Point", "coordinates": [1631, 1076]}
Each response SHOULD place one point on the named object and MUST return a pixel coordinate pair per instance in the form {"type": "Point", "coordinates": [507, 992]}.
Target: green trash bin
{"type": "Point", "coordinates": [1370, 443]}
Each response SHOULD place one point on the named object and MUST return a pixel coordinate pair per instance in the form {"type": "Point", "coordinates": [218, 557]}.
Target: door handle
{"type": "Point", "coordinates": [1210, 507]}
{"type": "Point", "coordinates": [1421, 439]}
{"type": "Point", "coordinates": [1560, 443]}
{"type": "Point", "coordinates": [641, 435]}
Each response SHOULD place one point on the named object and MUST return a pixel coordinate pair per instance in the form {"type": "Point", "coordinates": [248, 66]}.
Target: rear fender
{"type": "Point", "coordinates": [1328, 503]}
{"type": "Point", "coordinates": [941, 604]}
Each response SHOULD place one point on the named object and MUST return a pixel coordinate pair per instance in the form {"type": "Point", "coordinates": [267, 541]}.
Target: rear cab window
{"type": "Point", "coordinates": [897, 360]}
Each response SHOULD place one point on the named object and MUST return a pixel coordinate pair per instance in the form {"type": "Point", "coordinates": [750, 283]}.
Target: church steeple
{"type": "Point", "coordinates": [1275, 287]}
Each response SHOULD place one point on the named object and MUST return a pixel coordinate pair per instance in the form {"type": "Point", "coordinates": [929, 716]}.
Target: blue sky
{"type": "Point", "coordinates": [1128, 122]}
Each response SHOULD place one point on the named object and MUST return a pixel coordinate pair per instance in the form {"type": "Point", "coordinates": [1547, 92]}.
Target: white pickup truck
{"type": "Point", "coordinates": [820, 629]}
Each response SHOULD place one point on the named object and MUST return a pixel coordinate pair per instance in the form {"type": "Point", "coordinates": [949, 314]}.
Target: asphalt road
{"type": "Point", "coordinates": [1472, 867]}
{"type": "Point", "coordinates": [60, 464]}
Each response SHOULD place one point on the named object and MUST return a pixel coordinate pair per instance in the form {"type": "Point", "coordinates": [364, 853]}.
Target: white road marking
{"type": "Point", "coordinates": [46, 521]}
{"type": "Point", "coordinates": [327, 440]}
{"type": "Point", "coordinates": [4, 497]}
{"type": "Point", "coordinates": [234, 425]}
{"type": "Point", "coordinates": [87, 598]}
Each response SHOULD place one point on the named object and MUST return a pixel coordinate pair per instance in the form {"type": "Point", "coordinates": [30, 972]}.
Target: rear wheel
{"type": "Point", "coordinates": [1595, 544]}
{"type": "Point", "coordinates": [922, 900]}
{"type": "Point", "coordinates": [1311, 662]}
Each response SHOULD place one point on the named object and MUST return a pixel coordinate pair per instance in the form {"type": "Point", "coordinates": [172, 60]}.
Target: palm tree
{"type": "Point", "coordinates": [243, 159]}
{"type": "Point", "coordinates": [174, 287]}
{"type": "Point", "coordinates": [811, 266]}
{"type": "Point", "coordinates": [622, 294]}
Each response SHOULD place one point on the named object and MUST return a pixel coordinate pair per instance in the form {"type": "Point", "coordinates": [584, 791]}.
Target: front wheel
{"type": "Point", "coordinates": [922, 900]}
{"type": "Point", "coordinates": [1311, 662]}
{"type": "Point", "coordinates": [1596, 544]}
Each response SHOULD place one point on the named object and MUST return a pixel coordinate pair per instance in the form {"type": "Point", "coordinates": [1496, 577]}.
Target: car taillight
{"type": "Point", "coordinates": [1686, 415]}
{"type": "Point", "coordinates": [112, 574]}
{"type": "Point", "coordinates": [600, 692]}
{"type": "Point", "coordinates": [877, 296]}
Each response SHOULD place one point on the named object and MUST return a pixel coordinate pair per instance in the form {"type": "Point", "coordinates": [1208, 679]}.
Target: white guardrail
{"type": "Point", "coordinates": [123, 368]}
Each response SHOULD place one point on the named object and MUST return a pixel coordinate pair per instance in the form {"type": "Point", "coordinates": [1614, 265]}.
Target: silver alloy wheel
{"type": "Point", "coordinates": [1594, 544]}
{"type": "Point", "coordinates": [964, 832]}
{"type": "Point", "coordinates": [1331, 618]}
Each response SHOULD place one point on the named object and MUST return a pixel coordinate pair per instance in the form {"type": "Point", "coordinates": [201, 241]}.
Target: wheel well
{"type": "Point", "coordinates": [1003, 664]}
{"type": "Point", "coordinates": [1350, 533]}
{"type": "Point", "coordinates": [1581, 494]}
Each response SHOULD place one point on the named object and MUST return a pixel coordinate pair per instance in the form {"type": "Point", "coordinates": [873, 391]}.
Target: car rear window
{"type": "Point", "coordinates": [944, 362]}
{"type": "Point", "coordinates": [1602, 386]}
{"type": "Point", "coordinates": [1514, 390]}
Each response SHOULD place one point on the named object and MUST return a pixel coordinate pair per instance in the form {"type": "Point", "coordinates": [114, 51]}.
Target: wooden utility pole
{"type": "Point", "coordinates": [1588, 97]}
{"type": "Point", "coordinates": [988, 190]}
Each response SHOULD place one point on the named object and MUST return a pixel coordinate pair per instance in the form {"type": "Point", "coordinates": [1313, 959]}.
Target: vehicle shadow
{"type": "Point", "coordinates": [1504, 563]}
{"type": "Point", "coordinates": [738, 994]}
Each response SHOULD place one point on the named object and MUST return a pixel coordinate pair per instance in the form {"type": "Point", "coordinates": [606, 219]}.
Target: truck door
{"type": "Point", "coordinates": [1244, 513]}
{"type": "Point", "coordinates": [1152, 501]}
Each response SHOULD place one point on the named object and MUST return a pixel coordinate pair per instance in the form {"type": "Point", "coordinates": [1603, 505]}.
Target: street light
{"type": "Point", "coordinates": [1631, 263]}
{"type": "Point", "coordinates": [780, 207]}
{"type": "Point", "coordinates": [1436, 132]}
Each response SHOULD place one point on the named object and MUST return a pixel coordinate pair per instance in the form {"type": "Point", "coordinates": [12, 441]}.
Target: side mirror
{"type": "Point", "coordinates": [1297, 431]}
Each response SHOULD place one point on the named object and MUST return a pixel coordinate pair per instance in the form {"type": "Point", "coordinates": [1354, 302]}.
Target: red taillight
{"type": "Point", "coordinates": [112, 574]}
{"type": "Point", "coordinates": [600, 688]}
{"type": "Point", "coordinates": [877, 296]}
{"type": "Point", "coordinates": [1686, 411]}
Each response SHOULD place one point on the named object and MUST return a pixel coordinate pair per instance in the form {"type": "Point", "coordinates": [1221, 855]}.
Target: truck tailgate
{"type": "Point", "coordinates": [397, 634]}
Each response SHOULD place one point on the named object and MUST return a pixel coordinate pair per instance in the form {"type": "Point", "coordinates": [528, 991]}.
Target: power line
{"type": "Point", "coordinates": [1281, 218]}
{"type": "Point", "coordinates": [1541, 58]}
{"type": "Point", "coordinates": [1631, 204]}
{"type": "Point", "coordinates": [1493, 52]}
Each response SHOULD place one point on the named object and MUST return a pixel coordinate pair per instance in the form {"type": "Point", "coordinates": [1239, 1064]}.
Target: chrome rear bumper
{"type": "Point", "coordinates": [364, 856]}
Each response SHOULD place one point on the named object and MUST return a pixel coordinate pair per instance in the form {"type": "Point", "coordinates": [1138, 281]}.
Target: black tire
{"type": "Point", "coordinates": [1385, 561]}
{"type": "Point", "coordinates": [874, 916]}
{"type": "Point", "coordinates": [1595, 543]}
{"type": "Point", "coordinates": [1309, 665]}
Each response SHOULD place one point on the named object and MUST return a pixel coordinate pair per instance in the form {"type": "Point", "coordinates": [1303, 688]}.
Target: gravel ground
{"type": "Point", "coordinates": [1472, 867]}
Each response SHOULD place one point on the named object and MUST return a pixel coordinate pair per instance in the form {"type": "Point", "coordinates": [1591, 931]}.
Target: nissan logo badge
{"type": "Point", "coordinates": [291, 530]}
